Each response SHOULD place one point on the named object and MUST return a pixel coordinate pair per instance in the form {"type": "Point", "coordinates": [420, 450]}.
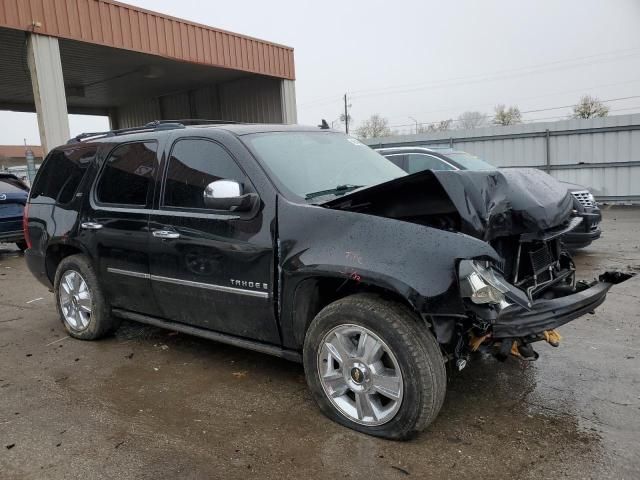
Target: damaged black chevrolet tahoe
{"type": "Point", "coordinates": [305, 243]}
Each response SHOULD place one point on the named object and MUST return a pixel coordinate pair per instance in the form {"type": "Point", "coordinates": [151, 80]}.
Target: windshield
{"type": "Point", "coordinates": [469, 162]}
{"type": "Point", "coordinates": [319, 164]}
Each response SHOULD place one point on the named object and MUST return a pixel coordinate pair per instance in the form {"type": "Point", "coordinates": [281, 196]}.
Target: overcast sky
{"type": "Point", "coordinates": [429, 60]}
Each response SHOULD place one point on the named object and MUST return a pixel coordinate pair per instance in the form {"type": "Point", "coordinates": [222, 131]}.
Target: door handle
{"type": "Point", "coordinates": [166, 234]}
{"type": "Point", "coordinates": [91, 226]}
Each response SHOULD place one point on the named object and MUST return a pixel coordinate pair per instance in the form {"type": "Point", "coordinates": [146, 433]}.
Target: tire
{"type": "Point", "coordinates": [410, 353]}
{"type": "Point", "coordinates": [22, 245]}
{"type": "Point", "coordinates": [79, 278]}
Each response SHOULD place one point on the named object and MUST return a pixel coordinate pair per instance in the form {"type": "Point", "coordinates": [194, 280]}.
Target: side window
{"type": "Point", "coordinates": [398, 160]}
{"type": "Point", "coordinates": [417, 162]}
{"type": "Point", "coordinates": [60, 175]}
{"type": "Point", "coordinates": [127, 175]}
{"type": "Point", "coordinates": [194, 164]}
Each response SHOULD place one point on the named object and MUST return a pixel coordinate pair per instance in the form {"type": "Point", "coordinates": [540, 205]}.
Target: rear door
{"type": "Point", "coordinates": [115, 224]}
{"type": "Point", "coordinates": [211, 268]}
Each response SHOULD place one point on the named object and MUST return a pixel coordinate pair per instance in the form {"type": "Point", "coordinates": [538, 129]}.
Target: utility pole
{"type": "Point", "coordinates": [416, 122]}
{"type": "Point", "coordinates": [31, 164]}
{"type": "Point", "coordinates": [346, 115]}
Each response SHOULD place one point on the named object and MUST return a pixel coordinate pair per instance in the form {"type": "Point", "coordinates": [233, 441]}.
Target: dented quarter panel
{"type": "Point", "coordinates": [413, 261]}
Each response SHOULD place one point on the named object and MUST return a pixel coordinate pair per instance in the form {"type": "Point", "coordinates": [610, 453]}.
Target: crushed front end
{"type": "Point", "coordinates": [524, 299]}
{"type": "Point", "coordinates": [527, 289]}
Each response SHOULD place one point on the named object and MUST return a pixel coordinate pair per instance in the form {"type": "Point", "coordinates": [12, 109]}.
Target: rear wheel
{"type": "Point", "coordinates": [373, 366]}
{"type": "Point", "coordinates": [80, 300]}
{"type": "Point", "coordinates": [22, 245]}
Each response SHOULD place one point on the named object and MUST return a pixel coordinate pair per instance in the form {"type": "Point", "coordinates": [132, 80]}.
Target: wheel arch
{"type": "Point", "coordinates": [56, 253]}
{"type": "Point", "coordinates": [311, 294]}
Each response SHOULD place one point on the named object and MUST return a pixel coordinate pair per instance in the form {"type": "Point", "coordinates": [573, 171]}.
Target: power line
{"type": "Point", "coordinates": [464, 83]}
{"type": "Point", "coordinates": [468, 108]}
{"type": "Point", "coordinates": [608, 57]}
{"type": "Point", "coordinates": [614, 53]}
{"type": "Point", "coordinates": [530, 111]}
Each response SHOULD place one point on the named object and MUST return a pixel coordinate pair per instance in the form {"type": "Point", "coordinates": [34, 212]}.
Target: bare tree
{"type": "Point", "coordinates": [440, 126]}
{"type": "Point", "coordinates": [590, 107]}
{"type": "Point", "coordinates": [375, 126]}
{"type": "Point", "coordinates": [507, 116]}
{"type": "Point", "coordinates": [472, 120]}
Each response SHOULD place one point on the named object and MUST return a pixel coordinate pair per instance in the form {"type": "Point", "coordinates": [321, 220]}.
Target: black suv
{"type": "Point", "coordinates": [435, 157]}
{"type": "Point", "coordinates": [304, 243]}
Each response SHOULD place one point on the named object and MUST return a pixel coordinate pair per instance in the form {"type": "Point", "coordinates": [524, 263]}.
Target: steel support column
{"type": "Point", "coordinates": [288, 99]}
{"type": "Point", "coordinates": [47, 81]}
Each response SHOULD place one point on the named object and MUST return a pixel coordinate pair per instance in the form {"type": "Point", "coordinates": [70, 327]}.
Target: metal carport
{"type": "Point", "coordinates": [102, 57]}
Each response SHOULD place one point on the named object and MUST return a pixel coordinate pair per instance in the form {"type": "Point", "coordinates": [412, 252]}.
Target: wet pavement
{"type": "Point", "coordinates": [148, 403]}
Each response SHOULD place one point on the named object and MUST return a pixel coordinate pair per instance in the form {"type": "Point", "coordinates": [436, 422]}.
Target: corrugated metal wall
{"type": "Point", "coordinates": [253, 99]}
{"type": "Point", "coordinates": [123, 26]}
{"type": "Point", "coordinates": [601, 153]}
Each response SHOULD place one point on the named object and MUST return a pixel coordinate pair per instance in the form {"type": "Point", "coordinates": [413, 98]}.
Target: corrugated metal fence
{"type": "Point", "coordinates": [601, 153]}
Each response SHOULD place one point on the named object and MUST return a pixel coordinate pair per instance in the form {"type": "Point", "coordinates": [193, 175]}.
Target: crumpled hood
{"type": "Point", "coordinates": [490, 203]}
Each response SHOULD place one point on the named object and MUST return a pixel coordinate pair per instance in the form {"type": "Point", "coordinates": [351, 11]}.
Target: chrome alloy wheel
{"type": "Point", "coordinates": [75, 300]}
{"type": "Point", "coordinates": [360, 375]}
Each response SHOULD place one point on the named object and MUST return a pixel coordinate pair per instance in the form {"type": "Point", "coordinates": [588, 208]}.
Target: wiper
{"type": "Point", "coordinates": [338, 190]}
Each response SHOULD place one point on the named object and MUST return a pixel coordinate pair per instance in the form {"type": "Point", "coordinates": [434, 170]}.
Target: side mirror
{"type": "Point", "coordinates": [227, 195]}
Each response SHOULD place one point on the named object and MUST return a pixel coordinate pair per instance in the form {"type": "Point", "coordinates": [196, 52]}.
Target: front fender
{"type": "Point", "coordinates": [413, 261]}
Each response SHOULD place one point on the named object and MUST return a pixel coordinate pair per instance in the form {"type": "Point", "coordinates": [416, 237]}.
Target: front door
{"type": "Point", "coordinates": [210, 268]}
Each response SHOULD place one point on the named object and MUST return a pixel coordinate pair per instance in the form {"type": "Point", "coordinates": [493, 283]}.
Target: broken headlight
{"type": "Point", "coordinates": [480, 284]}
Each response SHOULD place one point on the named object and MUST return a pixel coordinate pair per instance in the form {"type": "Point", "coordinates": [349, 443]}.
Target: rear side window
{"type": "Point", "coordinates": [12, 185]}
{"type": "Point", "coordinates": [417, 162]}
{"type": "Point", "coordinates": [397, 160]}
{"type": "Point", "coordinates": [193, 165]}
{"type": "Point", "coordinates": [60, 175]}
{"type": "Point", "coordinates": [128, 174]}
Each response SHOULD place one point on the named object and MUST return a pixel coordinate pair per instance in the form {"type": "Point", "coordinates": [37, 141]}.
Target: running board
{"type": "Point", "coordinates": [290, 355]}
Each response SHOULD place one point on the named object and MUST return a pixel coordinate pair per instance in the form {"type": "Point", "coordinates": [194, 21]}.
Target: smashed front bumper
{"type": "Point", "coordinates": [515, 321]}
{"type": "Point", "coordinates": [516, 316]}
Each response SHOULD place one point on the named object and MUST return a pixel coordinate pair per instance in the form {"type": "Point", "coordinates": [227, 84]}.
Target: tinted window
{"type": "Point", "coordinates": [12, 185]}
{"type": "Point", "coordinates": [128, 174]}
{"type": "Point", "coordinates": [417, 162]}
{"type": "Point", "coordinates": [193, 165]}
{"type": "Point", "coordinates": [60, 175]}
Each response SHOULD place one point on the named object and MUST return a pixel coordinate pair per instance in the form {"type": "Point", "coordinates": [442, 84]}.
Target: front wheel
{"type": "Point", "coordinates": [373, 366]}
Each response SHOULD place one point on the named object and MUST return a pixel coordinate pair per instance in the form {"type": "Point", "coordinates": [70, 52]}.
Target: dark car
{"type": "Point", "coordinates": [304, 243]}
{"type": "Point", "coordinates": [13, 197]}
{"type": "Point", "coordinates": [415, 159]}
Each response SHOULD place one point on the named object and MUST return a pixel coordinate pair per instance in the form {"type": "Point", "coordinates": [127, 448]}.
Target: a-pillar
{"type": "Point", "coordinates": [45, 67]}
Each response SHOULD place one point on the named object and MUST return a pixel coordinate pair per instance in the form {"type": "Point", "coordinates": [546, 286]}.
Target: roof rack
{"type": "Point", "coordinates": [154, 126]}
{"type": "Point", "coordinates": [194, 121]}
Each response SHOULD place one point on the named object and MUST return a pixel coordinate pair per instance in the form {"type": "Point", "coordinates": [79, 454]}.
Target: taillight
{"type": "Point", "coordinates": [25, 225]}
